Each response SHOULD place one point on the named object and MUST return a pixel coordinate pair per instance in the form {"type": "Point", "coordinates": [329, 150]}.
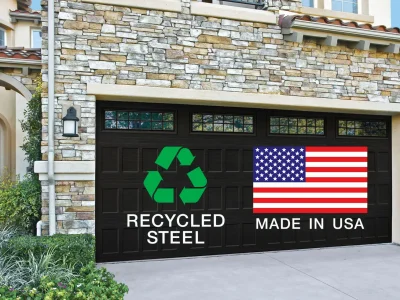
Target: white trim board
{"type": "Point", "coordinates": [164, 5]}
{"type": "Point", "coordinates": [232, 13]}
{"type": "Point", "coordinates": [132, 93]}
{"type": "Point", "coordinates": [67, 170]}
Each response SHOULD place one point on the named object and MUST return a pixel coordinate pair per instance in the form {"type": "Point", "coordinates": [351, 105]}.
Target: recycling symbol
{"type": "Point", "coordinates": [188, 195]}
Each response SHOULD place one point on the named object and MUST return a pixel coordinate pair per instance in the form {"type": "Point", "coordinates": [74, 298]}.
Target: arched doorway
{"type": "Point", "coordinates": [13, 100]}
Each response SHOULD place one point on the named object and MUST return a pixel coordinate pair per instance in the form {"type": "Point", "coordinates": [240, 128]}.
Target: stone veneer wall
{"type": "Point", "coordinates": [119, 45]}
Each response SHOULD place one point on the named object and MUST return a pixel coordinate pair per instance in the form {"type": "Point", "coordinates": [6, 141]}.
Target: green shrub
{"type": "Point", "coordinates": [18, 274]}
{"type": "Point", "coordinates": [76, 250]}
{"type": "Point", "coordinates": [20, 202]}
{"type": "Point", "coordinates": [91, 284]}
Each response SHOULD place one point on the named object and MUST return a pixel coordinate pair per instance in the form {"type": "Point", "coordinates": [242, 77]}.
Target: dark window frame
{"type": "Point", "coordinates": [297, 117]}
{"type": "Point", "coordinates": [355, 120]}
{"type": "Point", "coordinates": [138, 130]}
{"type": "Point", "coordinates": [236, 133]}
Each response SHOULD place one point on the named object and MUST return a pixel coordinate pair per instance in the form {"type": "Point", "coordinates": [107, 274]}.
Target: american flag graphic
{"type": "Point", "coordinates": [310, 180]}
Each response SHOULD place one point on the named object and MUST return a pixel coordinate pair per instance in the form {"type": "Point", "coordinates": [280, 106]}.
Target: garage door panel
{"type": "Point", "coordinates": [124, 158]}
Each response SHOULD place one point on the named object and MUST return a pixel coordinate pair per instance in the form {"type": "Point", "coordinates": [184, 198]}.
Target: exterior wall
{"type": "Point", "coordinates": [382, 11]}
{"type": "Point", "coordinates": [8, 130]}
{"type": "Point", "coordinates": [23, 35]}
{"type": "Point", "coordinates": [11, 112]}
{"type": "Point", "coordinates": [108, 44]}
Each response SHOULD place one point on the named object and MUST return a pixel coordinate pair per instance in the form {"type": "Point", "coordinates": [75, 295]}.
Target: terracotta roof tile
{"type": "Point", "coordinates": [20, 53]}
{"type": "Point", "coordinates": [287, 21]}
{"type": "Point", "coordinates": [20, 11]}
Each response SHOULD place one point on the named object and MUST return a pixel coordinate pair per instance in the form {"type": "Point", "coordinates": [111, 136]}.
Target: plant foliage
{"type": "Point", "coordinates": [20, 201]}
{"type": "Point", "coordinates": [32, 125]}
{"type": "Point", "coordinates": [76, 250]}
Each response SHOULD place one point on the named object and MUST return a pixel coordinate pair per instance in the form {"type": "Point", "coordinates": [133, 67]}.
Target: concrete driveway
{"type": "Point", "coordinates": [361, 272]}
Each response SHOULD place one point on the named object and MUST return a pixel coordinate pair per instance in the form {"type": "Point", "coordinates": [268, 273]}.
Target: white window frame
{"type": "Point", "coordinates": [33, 30]}
{"type": "Point", "coordinates": [5, 36]}
{"type": "Point", "coordinates": [315, 4]}
{"type": "Point", "coordinates": [328, 5]}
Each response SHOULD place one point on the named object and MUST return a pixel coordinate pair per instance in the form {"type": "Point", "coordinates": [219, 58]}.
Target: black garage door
{"type": "Point", "coordinates": [131, 135]}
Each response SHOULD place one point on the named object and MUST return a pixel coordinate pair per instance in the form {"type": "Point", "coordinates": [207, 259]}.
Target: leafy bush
{"type": "Point", "coordinates": [32, 125]}
{"type": "Point", "coordinates": [72, 250]}
{"type": "Point", "coordinates": [20, 201]}
{"type": "Point", "coordinates": [18, 274]}
{"type": "Point", "coordinates": [91, 284]}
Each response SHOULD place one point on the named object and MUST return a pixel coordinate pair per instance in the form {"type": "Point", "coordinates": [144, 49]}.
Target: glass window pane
{"type": "Point", "coordinates": [135, 120]}
{"type": "Point", "coordinates": [294, 125]}
{"type": "Point", "coordinates": [222, 123]}
{"type": "Point", "coordinates": [2, 37]}
{"type": "Point", "coordinates": [362, 128]}
{"type": "Point", "coordinates": [36, 39]}
{"type": "Point", "coordinates": [123, 115]}
{"type": "Point", "coordinates": [110, 115]}
{"type": "Point", "coordinates": [309, 3]}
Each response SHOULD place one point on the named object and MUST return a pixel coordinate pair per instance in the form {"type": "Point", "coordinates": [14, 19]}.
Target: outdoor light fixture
{"type": "Point", "coordinates": [70, 123]}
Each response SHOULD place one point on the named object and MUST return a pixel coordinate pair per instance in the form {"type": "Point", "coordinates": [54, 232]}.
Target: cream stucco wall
{"type": "Point", "coordinates": [23, 33]}
{"type": "Point", "coordinates": [381, 10]}
{"type": "Point", "coordinates": [7, 115]}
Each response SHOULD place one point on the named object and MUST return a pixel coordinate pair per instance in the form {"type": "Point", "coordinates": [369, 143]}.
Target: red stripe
{"type": "Point", "coordinates": [336, 149]}
{"type": "Point", "coordinates": [310, 210]}
{"type": "Point", "coordinates": [339, 169]}
{"type": "Point", "coordinates": [310, 200]}
{"type": "Point", "coordinates": [339, 179]}
{"type": "Point", "coordinates": [310, 190]}
{"type": "Point", "coordinates": [336, 159]}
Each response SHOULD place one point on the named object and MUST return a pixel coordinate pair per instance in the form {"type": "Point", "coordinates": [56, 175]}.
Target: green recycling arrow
{"type": "Point", "coordinates": [166, 195]}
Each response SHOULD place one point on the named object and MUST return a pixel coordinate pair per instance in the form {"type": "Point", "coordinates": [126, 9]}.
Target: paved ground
{"type": "Point", "coordinates": [362, 272]}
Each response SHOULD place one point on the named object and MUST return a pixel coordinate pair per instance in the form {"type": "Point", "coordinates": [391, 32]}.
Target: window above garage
{"type": "Point", "coordinates": [362, 128]}
{"type": "Point", "coordinates": [223, 123]}
{"type": "Point", "coordinates": [296, 126]}
{"type": "Point", "coordinates": [139, 120]}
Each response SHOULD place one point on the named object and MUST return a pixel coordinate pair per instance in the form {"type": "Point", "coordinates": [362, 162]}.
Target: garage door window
{"type": "Point", "coordinates": [207, 122]}
{"type": "Point", "coordinates": [362, 128]}
{"type": "Point", "coordinates": [139, 120]}
{"type": "Point", "coordinates": [296, 126]}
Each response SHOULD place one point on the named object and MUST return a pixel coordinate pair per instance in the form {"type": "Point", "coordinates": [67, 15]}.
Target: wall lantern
{"type": "Point", "coordinates": [70, 123]}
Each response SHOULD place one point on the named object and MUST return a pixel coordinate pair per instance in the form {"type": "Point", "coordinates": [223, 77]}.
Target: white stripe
{"type": "Point", "coordinates": [336, 174]}
{"type": "Point", "coordinates": [310, 184]}
{"type": "Point", "coordinates": [337, 154]}
{"type": "Point", "coordinates": [336, 164]}
{"type": "Point", "coordinates": [310, 205]}
{"type": "Point", "coordinates": [310, 195]}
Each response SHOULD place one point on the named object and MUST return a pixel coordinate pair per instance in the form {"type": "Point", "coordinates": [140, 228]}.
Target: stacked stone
{"type": "Point", "coordinates": [119, 45]}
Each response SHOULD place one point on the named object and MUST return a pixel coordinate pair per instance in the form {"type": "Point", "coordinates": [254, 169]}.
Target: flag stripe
{"type": "Point", "coordinates": [337, 164]}
{"type": "Point", "coordinates": [336, 174]}
{"type": "Point", "coordinates": [338, 169]}
{"type": "Point", "coordinates": [338, 179]}
{"type": "Point", "coordinates": [336, 154]}
{"type": "Point", "coordinates": [309, 190]}
{"type": "Point", "coordinates": [310, 210]}
{"type": "Point", "coordinates": [311, 195]}
{"type": "Point", "coordinates": [336, 159]}
{"type": "Point", "coordinates": [310, 205]}
{"type": "Point", "coordinates": [310, 184]}
{"type": "Point", "coordinates": [310, 200]}
{"type": "Point", "coordinates": [336, 149]}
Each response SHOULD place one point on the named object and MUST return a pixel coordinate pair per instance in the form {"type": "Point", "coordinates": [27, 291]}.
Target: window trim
{"type": "Point", "coordinates": [254, 133]}
{"type": "Point", "coordinates": [32, 31]}
{"type": "Point", "coordinates": [140, 131]}
{"type": "Point", "coordinates": [5, 37]}
{"type": "Point", "coordinates": [355, 119]}
{"type": "Point", "coordinates": [359, 7]}
{"type": "Point", "coordinates": [297, 116]}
